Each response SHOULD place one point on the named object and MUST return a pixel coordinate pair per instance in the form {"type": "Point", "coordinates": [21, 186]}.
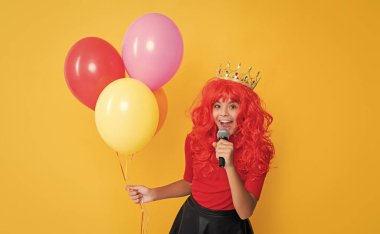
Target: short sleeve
{"type": "Point", "coordinates": [188, 175]}
{"type": "Point", "coordinates": [254, 186]}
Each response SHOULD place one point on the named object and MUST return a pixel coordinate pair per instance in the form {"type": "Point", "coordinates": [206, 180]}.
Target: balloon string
{"type": "Point", "coordinates": [121, 167]}
{"type": "Point", "coordinates": [144, 218]}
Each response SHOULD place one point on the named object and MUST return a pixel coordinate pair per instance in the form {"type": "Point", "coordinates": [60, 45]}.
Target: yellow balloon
{"type": "Point", "coordinates": [126, 115]}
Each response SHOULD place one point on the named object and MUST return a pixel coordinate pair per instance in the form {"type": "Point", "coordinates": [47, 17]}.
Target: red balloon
{"type": "Point", "coordinates": [91, 64]}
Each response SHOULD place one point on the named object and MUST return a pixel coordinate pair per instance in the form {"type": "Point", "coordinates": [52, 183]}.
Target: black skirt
{"type": "Point", "coordinates": [192, 218]}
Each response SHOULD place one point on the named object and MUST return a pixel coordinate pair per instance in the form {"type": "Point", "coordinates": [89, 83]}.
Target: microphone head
{"type": "Point", "coordinates": [223, 134]}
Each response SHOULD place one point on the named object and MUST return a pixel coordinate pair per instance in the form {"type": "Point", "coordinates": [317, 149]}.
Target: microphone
{"type": "Point", "coordinates": [225, 135]}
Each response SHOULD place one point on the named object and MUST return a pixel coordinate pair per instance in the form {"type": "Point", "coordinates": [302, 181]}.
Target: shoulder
{"type": "Point", "coordinates": [188, 143]}
{"type": "Point", "coordinates": [187, 140]}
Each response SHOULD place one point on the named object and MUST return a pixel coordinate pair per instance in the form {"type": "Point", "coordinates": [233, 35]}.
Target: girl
{"type": "Point", "coordinates": [221, 199]}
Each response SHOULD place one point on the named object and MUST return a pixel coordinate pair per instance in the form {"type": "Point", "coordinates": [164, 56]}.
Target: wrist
{"type": "Point", "coordinates": [154, 194]}
{"type": "Point", "coordinates": [230, 167]}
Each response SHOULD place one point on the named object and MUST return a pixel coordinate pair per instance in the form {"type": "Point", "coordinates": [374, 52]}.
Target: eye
{"type": "Point", "coordinates": [233, 106]}
{"type": "Point", "coordinates": [216, 106]}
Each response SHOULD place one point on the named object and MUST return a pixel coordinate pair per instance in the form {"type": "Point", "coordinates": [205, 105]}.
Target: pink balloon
{"type": "Point", "coordinates": [152, 50]}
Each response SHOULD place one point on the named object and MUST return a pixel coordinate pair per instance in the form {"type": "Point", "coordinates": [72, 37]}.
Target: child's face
{"type": "Point", "coordinates": [225, 114]}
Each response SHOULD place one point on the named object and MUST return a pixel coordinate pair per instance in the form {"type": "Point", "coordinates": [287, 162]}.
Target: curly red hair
{"type": "Point", "coordinates": [253, 149]}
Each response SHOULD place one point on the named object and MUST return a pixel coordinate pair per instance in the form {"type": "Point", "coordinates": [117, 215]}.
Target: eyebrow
{"type": "Point", "coordinates": [236, 102]}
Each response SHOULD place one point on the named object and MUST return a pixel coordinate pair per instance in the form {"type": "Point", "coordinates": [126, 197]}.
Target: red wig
{"type": "Point", "coordinates": [253, 149]}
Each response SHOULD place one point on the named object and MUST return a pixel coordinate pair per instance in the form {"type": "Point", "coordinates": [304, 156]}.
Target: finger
{"type": "Point", "coordinates": [225, 143]}
{"type": "Point", "coordinates": [224, 150]}
{"type": "Point", "coordinates": [133, 193]}
{"type": "Point", "coordinates": [222, 141]}
{"type": "Point", "coordinates": [135, 197]}
{"type": "Point", "coordinates": [221, 155]}
{"type": "Point", "coordinates": [132, 187]}
{"type": "Point", "coordinates": [137, 188]}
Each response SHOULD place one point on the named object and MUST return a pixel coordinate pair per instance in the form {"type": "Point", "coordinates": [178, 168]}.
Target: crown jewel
{"type": "Point", "coordinates": [237, 76]}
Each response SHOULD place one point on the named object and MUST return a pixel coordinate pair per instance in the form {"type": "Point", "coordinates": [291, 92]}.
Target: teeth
{"type": "Point", "coordinates": [225, 121]}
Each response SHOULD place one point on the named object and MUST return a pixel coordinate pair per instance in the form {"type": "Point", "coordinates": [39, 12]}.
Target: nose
{"type": "Point", "coordinates": [224, 111]}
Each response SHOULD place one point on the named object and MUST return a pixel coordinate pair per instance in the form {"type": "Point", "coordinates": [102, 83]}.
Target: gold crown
{"type": "Point", "coordinates": [235, 75]}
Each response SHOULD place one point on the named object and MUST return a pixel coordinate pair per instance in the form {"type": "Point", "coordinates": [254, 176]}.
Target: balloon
{"type": "Point", "coordinates": [152, 50]}
{"type": "Point", "coordinates": [126, 115]}
{"type": "Point", "coordinates": [91, 64]}
{"type": "Point", "coordinates": [162, 102]}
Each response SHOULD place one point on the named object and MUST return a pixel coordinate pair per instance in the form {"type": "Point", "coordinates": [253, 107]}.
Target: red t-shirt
{"type": "Point", "coordinates": [213, 191]}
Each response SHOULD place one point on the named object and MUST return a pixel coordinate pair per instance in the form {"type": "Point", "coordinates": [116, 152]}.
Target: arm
{"type": "Point", "coordinates": [140, 193]}
{"type": "Point", "coordinates": [243, 201]}
{"type": "Point", "coordinates": [179, 188]}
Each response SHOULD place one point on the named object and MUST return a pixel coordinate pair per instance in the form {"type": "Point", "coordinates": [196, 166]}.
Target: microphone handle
{"type": "Point", "coordinates": [222, 162]}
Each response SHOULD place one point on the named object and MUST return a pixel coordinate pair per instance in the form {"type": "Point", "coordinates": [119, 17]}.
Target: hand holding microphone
{"type": "Point", "coordinates": [223, 149]}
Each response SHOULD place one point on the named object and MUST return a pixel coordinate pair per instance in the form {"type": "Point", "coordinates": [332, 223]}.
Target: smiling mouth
{"type": "Point", "coordinates": [225, 123]}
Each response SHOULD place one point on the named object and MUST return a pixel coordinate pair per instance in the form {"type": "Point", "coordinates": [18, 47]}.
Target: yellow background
{"type": "Point", "coordinates": [320, 65]}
